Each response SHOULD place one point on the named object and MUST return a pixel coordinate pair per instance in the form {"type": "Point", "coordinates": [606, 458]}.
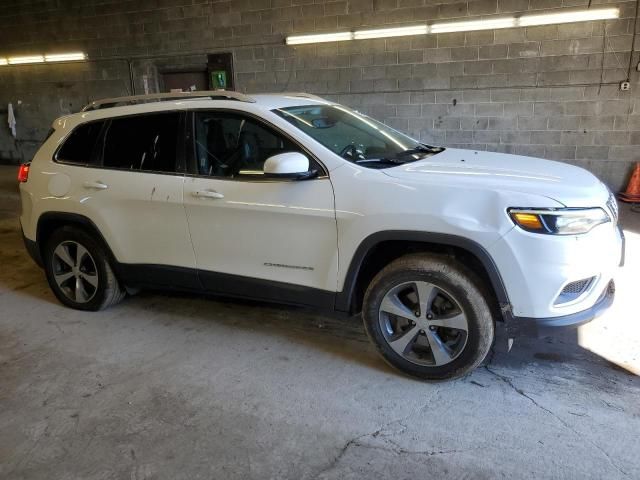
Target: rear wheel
{"type": "Point", "coordinates": [78, 271]}
{"type": "Point", "coordinates": [428, 317]}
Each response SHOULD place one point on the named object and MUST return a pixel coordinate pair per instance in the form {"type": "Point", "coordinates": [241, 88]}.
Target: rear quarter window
{"type": "Point", "coordinates": [79, 146]}
{"type": "Point", "coordinates": [143, 142]}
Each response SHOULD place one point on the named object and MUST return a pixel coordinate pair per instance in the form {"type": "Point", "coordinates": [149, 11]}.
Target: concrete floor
{"type": "Point", "coordinates": [180, 387]}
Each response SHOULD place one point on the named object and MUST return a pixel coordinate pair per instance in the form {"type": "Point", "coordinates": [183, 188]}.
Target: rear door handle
{"type": "Point", "coordinates": [207, 194]}
{"type": "Point", "coordinates": [95, 185]}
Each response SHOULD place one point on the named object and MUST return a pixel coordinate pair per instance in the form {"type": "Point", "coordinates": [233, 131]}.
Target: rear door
{"type": "Point", "coordinates": [133, 192]}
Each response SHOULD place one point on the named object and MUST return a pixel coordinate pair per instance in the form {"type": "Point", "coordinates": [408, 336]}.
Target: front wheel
{"type": "Point", "coordinates": [428, 317]}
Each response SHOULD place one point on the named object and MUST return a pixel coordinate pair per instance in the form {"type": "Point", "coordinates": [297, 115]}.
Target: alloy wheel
{"type": "Point", "coordinates": [423, 323]}
{"type": "Point", "coordinates": [74, 271]}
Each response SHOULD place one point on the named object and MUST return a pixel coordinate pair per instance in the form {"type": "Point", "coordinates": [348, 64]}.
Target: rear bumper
{"type": "Point", "coordinates": [540, 326]}
{"type": "Point", "coordinates": [33, 250]}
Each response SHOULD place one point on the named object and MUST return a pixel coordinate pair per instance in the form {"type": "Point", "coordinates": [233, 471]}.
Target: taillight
{"type": "Point", "coordinates": [23, 172]}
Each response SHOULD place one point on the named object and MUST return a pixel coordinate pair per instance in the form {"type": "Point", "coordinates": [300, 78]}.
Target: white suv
{"type": "Point", "coordinates": [295, 199]}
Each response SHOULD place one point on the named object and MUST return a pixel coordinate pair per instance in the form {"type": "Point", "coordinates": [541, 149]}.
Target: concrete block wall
{"type": "Point", "coordinates": [41, 93]}
{"type": "Point", "coordinates": [548, 91]}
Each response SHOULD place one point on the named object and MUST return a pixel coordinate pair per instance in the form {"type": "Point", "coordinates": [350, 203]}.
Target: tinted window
{"type": "Point", "coordinates": [229, 144]}
{"type": "Point", "coordinates": [79, 146]}
{"type": "Point", "coordinates": [144, 142]}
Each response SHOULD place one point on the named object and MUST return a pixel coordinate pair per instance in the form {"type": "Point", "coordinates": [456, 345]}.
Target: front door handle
{"type": "Point", "coordinates": [95, 185]}
{"type": "Point", "coordinates": [207, 194]}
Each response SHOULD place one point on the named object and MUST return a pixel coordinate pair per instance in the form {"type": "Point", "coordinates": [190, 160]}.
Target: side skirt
{"type": "Point", "coordinates": [201, 281]}
{"type": "Point", "coordinates": [164, 277]}
{"type": "Point", "coordinates": [258, 289]}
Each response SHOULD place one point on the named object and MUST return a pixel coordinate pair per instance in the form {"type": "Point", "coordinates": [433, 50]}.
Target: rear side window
{"type": "Point", "coordinates": [78, 148]}
{"type": "Point", "coordinates": [143, 142]}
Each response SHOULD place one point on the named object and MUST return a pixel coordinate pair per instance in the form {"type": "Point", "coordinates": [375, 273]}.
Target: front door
{"type": "Point", "coordinates": [254, 236]}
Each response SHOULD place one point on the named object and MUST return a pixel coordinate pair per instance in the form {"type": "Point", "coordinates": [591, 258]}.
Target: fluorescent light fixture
{"type": "Point", "coordinates": [526, 20]}
{"type": "Point", "coordinates": [390, 32]}
{"type": "Point", "coordinates": [569, 17]}
{"type": "Point", "coordinates": [319, 38]}
{"type": "Point", "coordinates": [65, 57]}
{"type": "Point", "coordinates": [473, 25]}
{"type": "Point", "coordinates": [489, 23]}
{"type": "Point", "coordinates": [28, 59]}
{"type": "Point", "coordinates": [54, 57]}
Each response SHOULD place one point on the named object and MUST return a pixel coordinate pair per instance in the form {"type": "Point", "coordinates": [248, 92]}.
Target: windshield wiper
{"type": "Point", "coordinates": [396, 159]}
{"type": "Point", "coordinates": [391, 161]}
{"type": "Point", "coordinates": [421, 148]}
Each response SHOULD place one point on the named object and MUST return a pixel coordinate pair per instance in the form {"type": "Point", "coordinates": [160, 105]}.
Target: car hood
{"type": "Point", "coordinates": [567, 184]}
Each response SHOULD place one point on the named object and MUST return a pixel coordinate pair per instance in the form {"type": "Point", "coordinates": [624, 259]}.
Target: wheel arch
{"type": "Point", "coordinates": [49, 222]}
{"type": "Point", "coordinates": [379, 249]}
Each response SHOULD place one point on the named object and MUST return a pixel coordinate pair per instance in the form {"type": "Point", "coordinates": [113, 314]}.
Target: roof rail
{"type": "Point", "coordinates": [158, 97]}
{"type": "Point", "coordinates": [304, 95]}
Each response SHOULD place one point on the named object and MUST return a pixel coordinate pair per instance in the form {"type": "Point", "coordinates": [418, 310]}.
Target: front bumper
{"type": "Point", "coordinates": [536, 269]}
{"type": "Point", "coordinates": [517, 326]}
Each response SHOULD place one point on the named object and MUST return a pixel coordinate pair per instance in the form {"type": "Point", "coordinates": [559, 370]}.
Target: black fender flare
{"type": "Point", "coordinates": [66, 218]}
{"type": "Point", "coordinates": [345, 298]}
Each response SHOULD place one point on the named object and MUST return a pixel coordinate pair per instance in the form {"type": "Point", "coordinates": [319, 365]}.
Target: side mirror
{"type": "Point", "coordinates": [288, 165]}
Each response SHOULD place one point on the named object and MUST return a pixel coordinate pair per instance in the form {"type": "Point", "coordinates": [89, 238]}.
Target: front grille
{"type": "Point", "coordinates": [573, 290]}
{"type": "Point", "coordinates": [612, 205]}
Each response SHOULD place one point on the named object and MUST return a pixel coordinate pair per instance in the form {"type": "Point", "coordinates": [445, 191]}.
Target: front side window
{"type": "Point", "coordinates": [231, 144]}
{"type": "Point", "coordinates": [356, 137]}
{"type": "Point", "coordinates": [78, 147]}
{"type": "Point", "coordinates": [142, 142]}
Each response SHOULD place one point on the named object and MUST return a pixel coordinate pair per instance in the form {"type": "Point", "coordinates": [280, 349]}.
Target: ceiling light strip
{"type": "Point", "coordinates": [529, 20]}
{"type": "Point", "coordinates": [473, 25]}
{"type": "Point", "coordinates": [48, 58]}
{"type": "Point", "coordinates": [319, 38]}
{"type": "Point", "coordinates": [390, 32]}
{"type": "Point", "coordinates": [569, 17]}
{"type": "Point", "coordinates": [65, 57]}
{"type": "Point", "coordinates": [27, 59]}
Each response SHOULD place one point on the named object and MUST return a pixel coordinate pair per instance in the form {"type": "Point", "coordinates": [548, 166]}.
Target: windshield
{"type": "Point", "coordinates": [356, 137]}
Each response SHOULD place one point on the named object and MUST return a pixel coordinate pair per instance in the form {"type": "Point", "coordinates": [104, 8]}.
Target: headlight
{"type": "Point", "coordinates": [567, 221]}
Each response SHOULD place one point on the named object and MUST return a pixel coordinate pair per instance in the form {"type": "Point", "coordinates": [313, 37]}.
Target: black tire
{"type": "Point", "coordinates": [455, 280]}
{"type": "Point", "coordinates": [108, 290]}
